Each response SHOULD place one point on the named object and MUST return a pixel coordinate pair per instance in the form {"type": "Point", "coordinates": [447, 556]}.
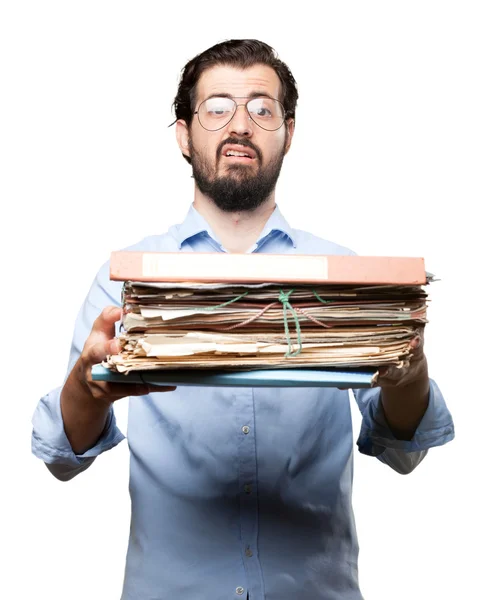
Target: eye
{"type": "Point", "coordinates": [217, 107]}
{"type": "Point", "coordinates": [217, 111]}
{"type": "Point", "coordinates": [264, 108]}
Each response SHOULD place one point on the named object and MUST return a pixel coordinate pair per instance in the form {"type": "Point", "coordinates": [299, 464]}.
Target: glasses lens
{"type": "Point", "coordinates": [266, 112]}
{"type": "Point", "coordinates": [214, 113]}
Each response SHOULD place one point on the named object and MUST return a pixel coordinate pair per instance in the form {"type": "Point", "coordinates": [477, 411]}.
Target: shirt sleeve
{"type": "Point", "coordinates": [49, 441]}
{"type": "Point", "coordinates": [435, 429]}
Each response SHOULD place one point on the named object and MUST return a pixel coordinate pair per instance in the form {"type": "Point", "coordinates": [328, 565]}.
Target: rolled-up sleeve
{"type": "Point", "coordinates": [50, 443]}
{"type": "Point", "coordinates": [435, 429]}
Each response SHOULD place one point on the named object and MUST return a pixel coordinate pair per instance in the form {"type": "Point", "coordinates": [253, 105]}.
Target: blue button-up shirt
{"type": "Point", "coordinates": [238, 492]}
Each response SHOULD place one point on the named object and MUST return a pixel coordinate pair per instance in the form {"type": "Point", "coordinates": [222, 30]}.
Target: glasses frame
{"type": "Point", "coordinates": [245, 104]}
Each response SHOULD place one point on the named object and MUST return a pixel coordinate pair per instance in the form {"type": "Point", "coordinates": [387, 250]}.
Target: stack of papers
{"type": "Point", "coordinates": [232, 326]}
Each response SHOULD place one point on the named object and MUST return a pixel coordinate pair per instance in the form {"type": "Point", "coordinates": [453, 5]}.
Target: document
{"type": "Point", "coordinates": [221, 326]}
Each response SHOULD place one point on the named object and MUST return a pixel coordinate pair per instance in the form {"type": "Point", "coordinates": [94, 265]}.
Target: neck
{"type": "Point", "coordinates": [237, 231]}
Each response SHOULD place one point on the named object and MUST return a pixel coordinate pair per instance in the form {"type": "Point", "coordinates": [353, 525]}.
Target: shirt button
{"type": "Point", "coordinates": [247, 489]}
{"type": "Point", "coordinates": [239, 591]}
{"type": "Point", "coordinates": [249, 552]}
{"type": "Point", "coordinates": [245, 429]}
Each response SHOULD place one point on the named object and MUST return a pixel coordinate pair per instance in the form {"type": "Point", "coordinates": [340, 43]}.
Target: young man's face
{"type": "Point", "coordinates": [236, 182]}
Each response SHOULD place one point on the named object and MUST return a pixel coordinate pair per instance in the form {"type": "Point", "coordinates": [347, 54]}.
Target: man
{"type": "Point", "coordinates": [235, 492]}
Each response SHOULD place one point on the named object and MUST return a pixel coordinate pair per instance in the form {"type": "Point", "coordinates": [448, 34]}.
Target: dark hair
{"type": "Point", "coordinates": [235, 53]}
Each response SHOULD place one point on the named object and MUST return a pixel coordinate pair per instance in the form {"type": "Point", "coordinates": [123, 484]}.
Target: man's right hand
{"type": "Point", "coordinates": [85, 403]}
{"type": "Point", "coordinates": [100, 343]}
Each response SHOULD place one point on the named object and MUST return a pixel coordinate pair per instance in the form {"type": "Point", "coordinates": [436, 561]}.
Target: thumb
{"type": "Point", "coordinates": [101, 340]}
{"type": "Point", "coordinates": [105, 322]}
{"type": "Point", "coordinates": [103, 328]}
{"type": "Point", "coordinates": [97, 352]}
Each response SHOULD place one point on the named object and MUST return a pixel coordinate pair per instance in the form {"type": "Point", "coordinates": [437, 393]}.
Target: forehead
{"type": "Point", "coordinates": [224, 79]}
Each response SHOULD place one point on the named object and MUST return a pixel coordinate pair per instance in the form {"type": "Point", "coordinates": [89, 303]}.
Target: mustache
{"type": "Point", "coordinates": [246, 143]}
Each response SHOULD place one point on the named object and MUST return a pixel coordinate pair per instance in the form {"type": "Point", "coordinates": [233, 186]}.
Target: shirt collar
{"type": "Point", "coordinates": [195, 224]}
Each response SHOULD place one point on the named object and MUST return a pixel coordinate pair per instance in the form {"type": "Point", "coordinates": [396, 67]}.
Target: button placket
{"type": "Point", "coordinates": [248, 491]}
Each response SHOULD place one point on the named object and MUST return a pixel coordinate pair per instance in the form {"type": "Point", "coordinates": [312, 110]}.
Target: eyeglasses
{"type": "Point", "coordinates": [215, 113]}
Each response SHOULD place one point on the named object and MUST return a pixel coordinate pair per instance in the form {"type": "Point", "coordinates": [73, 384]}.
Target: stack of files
{"type": "Point", "coordinates": [251, 319]}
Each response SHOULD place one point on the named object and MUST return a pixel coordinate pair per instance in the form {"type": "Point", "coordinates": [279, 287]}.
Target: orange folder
{"type": "Point", "coordinates": [220, 267]}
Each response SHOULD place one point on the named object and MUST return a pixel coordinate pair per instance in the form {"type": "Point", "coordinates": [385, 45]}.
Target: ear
{"type": "Point", "coordinates": [289, 134]}
{"type": "Point", "coordinates": [182, 136]}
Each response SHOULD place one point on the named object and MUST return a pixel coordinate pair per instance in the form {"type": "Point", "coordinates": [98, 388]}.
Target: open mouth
{"type": "Point", "coordinates": [239, 153]}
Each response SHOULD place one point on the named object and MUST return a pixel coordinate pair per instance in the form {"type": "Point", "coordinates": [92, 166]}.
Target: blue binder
{"type": "Point", "coordinates": [347, 378]}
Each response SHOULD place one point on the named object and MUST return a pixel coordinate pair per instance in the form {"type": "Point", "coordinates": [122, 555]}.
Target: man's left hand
{"type": "Point", "coordinates": [416, 370]}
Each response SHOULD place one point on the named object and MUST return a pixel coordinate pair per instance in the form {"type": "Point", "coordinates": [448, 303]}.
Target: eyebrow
{"type": "Point", "coordinates": [257, 94]}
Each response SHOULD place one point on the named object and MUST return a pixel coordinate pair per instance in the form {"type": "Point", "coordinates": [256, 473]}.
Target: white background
{"type": "Point", "coordinates": [384, 161]}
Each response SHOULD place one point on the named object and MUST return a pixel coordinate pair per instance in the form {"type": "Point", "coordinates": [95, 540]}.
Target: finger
{"type": "Point", "coordinates": [104, 324]}
{"type": "Point", "coordinates": [116, 391]}
{"type": "Point", "coordinates": [101, 342]}
{"type": "Point", "coordinates": [389, 376]}
{"type": "Point", "coordinates": [95, 354]}
{"type": "Point", "coordinates": [140, 389]}
{"type": "Point", "coordinates": [161, 388]}
{"type": "Point", "coordinates": [416, 349]}
{"type": "Point", "coordinates": [416, 343]}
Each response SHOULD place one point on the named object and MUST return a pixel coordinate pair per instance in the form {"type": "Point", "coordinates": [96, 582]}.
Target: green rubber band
{"type": "Point", "coordinates": [284, 299]}
{"type": "Point", "coordinates": [321, 299]}
{"type": "Point", "coordinates": [226, 303]}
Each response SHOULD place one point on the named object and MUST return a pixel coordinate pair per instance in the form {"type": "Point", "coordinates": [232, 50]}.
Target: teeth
{"type": "Point", "coordinates": [234, 153]}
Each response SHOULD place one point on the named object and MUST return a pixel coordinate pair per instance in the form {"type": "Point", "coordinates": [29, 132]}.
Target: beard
{"type": "Point", "coordinates": [240, 189]}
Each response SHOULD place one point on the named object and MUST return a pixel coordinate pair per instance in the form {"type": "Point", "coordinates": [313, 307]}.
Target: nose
{"type": "Point", "coordinates": [241, 123]}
